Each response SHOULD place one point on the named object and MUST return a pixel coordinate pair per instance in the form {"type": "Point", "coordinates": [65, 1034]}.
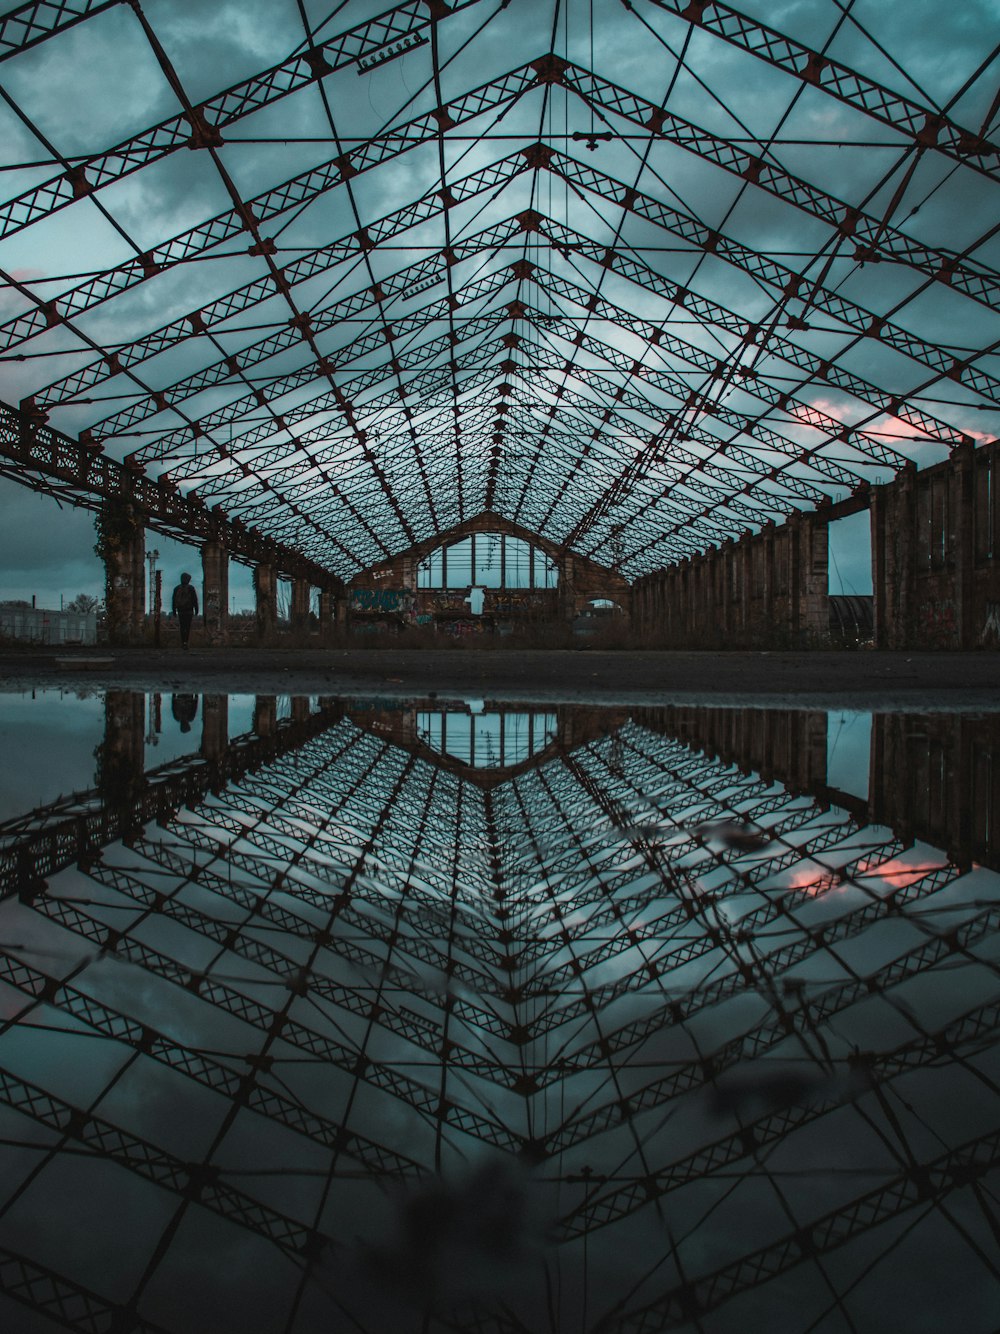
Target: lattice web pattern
{"type": "Point", "coordinates": [638, 275]}
{"type": "Point", "coordinates": [630, 1040]}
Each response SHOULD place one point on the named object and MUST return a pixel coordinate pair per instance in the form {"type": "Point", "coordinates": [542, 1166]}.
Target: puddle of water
{"type": "Point", "coordinates": [380, 1014]}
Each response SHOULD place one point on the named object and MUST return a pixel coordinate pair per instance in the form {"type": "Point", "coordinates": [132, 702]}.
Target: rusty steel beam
{"type": "Point", "coordinates": [64, 838]}
{"type": "Point", "coordinates": [33, 23]}
{"type": "Point", "coordinates": [202, 126]}
{"type": "Point", "coordinates": [46, 460]}
{"type": "Point", "coordinates": [925, 127]}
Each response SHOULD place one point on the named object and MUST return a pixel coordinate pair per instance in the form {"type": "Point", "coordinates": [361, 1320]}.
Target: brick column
{"type": "Point", "coordinates": [744, 569]}
{"type": "Point", "coordinates": [768, 627]}
{"type": "Point", "coordinates": [121, 755]}
{"type": "Point", "coordinates": [300, 605]}
{"type": "Point", "coordinates": [902, 565]}
{"type": "Point", "coordinates": [123, 541]}
{"type": "Point", "coordinates": [265, 715]}
{"type": "Point", "coordinates": [215, 592]}
{"type": "Point", "coordinates": [814, 576]}
{"type": "Point", "coordinates": [265, 582]}
{"type": "Point", "coordinates": [327, 614]}
{"type": "Point", "coordinates": [567, 588]}
{"type": "Point", "coordinates": [214, 726]}
{"type": "Point", "coordinates": [725, 559]}
{"type": "Point", "coordinates": [880, 503]}
{"type": "Point", "coordinates": [961, 542]}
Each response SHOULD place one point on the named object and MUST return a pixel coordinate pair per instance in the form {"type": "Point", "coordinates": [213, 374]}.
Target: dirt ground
{"type": "Point", "coordinates": [862, 679]}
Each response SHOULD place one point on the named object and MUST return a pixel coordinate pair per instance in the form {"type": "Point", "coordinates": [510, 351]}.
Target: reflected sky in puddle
{"type": "Point", "coordinates": [372, 1014]}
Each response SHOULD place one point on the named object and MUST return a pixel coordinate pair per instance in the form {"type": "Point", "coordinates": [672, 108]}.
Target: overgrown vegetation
{"type": "Point", "coordinates": [115, 525]}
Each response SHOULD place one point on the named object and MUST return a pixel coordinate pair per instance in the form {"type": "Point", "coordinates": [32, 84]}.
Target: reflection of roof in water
{"type": "Point", "coordinates": [352, 1037]}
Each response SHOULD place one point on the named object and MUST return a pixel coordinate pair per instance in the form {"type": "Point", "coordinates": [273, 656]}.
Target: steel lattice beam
{"type": "Point", "coordinates": [926, 127]}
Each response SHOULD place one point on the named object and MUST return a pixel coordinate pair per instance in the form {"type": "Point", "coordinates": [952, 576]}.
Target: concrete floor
{"type": "Point", "coordinates": [864, 678]}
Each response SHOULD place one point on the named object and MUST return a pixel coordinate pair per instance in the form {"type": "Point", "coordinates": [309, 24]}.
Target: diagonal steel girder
{"type": "Point", "coordinates": [593, 90]}
{"type": "Point", "coordinates": [858, 319]}
{"type": "Point", "coordinates": [208, 318]}
{"type": "Point", "coordinates": [293, 193]}
{"type": "Point", "coordinates": [561, 237]}
{"type": "Point", "coordinates": [91, 174]}
{"type": "Point", "coordinates": [324, 318]}
{"type": "Point", "coordinates": [670, 385]}
{"type": "Point", "coordinates": [611, 389]}
{"type": "Point", "coordinates": [873, 237]}
{"type": "Point", "coordinates": [30, 24]}
{"type": "Point", "coordinates": [921, 1184]}
{"type": "Point", "coordinates": [428, 384]}
{"type": "Point", "coordinates": [925, 127]}
{"type": "Point", "coordinates": [435, 311]}
{"type": "Point", "coordinates": [761, 268]}
{"type": "Point", "coordinates": [889, 403]}
{"type": "Point", "coordinates": [328, 400]}
{"type": "Point", "coordinates": [837, 475]}
{"type": "Point", "coordinates": [265, 513]}
{"type": "Point", "coordinates": [559, 457]}
{"type": "Point", "coordinates": [91, 480]}
{"type": "Point", "coordinates": [755, 384]}
{"type": "Point", "coordinates": [700, 485]}
{"type": "Point", "coordinates": [690, 400]}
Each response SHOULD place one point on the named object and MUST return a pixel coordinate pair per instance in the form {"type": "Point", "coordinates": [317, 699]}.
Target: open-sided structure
{"type": "Point", "coordinates": [640, 277]}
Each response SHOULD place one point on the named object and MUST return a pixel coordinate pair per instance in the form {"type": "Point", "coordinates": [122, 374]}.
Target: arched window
{"type": "Point", "coordinates": [487, 560]}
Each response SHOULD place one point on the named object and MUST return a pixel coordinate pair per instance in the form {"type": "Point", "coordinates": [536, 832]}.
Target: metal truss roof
{"type": "Point", "coordinates": [635, 274]}
{"type": "Point", "coordinates": [345, 1017]}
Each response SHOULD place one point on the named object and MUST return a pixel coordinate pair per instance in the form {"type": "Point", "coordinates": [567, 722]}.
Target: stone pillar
{"type": "Point", "coordinates": [768, 627]}
{"type": "Point", "coordinates": [726, 578]}
{"type": "Point", "coordinates": [215, 592]}
{"type": "Point", "coordinates": [265, 581]}
{"type": "Point", "coordinates": [300, 708]}
{"type": "Point", "coordinates": [300, 605]}
{"type": "Point", "coordinates": [794, 525]}
{"type": "Point", "coordinates": [814, 578]}
{"type": "Point", "coordinates": [122, 540]}
{"type": "Point", "coordinates": [327, 614]}
{"type": "Point", "coordinates": [902, 566]}
{"type": "Point", "coordinates": [567, 588]}
{"type": "Point", "coordinates": [265, 715]}
{"type": "Point", "coordinates": [961, 542]}
{"type": "Point", "coordinates": [744, 557]}
{"type": "Point", "coordinates": [121, 755]}
{"type": "Point", "coordinates": [214, 726]}
{"type": "Point", "coordinates": [880, 507]}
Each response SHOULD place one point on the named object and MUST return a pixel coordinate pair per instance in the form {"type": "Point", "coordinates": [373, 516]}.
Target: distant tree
{"type": "Point", "coordinates": [83, 602]}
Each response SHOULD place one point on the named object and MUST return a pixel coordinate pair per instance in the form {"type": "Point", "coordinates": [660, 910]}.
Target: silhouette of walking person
{"type": "Point", "coordinates": [184, 606]}
{"type": "Point", "coordinates": [185, 710]}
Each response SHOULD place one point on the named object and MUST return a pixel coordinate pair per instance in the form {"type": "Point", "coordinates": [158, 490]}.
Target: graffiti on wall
{"type": "Point", "coordinates": [461, 629]}
{"type": "Point", "coordinates": [508, 602]}
{"type": "Point", "coordinates": [449, 601]}
{"type": "Point", "coordinates": [991, 625]}
{"type": "Point", "coordinates": [373, 600]}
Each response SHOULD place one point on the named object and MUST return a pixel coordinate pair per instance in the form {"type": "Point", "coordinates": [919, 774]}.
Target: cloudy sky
{"type": "Point", "coordinates": [600, 438]}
